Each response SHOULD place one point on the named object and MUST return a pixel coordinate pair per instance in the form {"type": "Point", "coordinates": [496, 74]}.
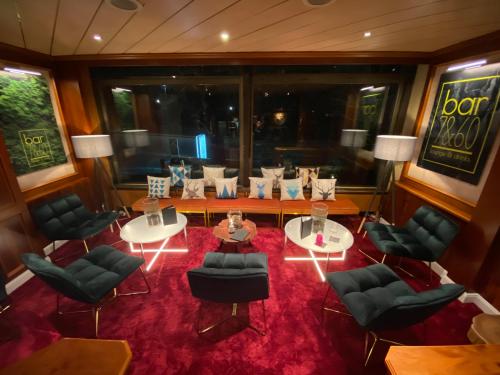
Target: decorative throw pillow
{"type": "Point", "coordinates": [178, 173]}
{"type": "Point", "coordinates": [211, 173]}
{"type": "Point", "coordinates": [226, 188]}
{"type": "Point", "coordinates": [275, 173]}
{"type": "Point", "coordinates": [158, 187]}
{"type": "Point", "coordinates": [193, 188]}
{"type": "Point", "coordinates": [323, 189]}
{"type": "Point", "coordinates": [261, 188]}
{"type": "Point", "coordinates": [306, 174]}
{"type": "Point", "coordinates": [291, 190]}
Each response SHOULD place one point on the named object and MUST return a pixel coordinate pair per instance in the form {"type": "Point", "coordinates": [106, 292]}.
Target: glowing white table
{"type": "Point", "coordinates": [332, 228]}
{"type": "Point", "coordinates": [138, 231]}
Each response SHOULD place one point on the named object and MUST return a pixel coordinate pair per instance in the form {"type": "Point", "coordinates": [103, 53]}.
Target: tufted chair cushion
{"type": "Point", "coordinates": [231, 278]}
{"type": "Point", "coordinates": [66, 218]}
{"type": "Point", "coordinates": [425, 236]}
{"type": "Point", "coordinates": [378, 299]}
{"type": "Point", "coordinates": [89, 278]}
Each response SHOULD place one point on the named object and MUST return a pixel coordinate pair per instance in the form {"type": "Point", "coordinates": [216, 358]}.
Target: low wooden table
{"type": "Point", "coordinates": [75, 357]}
{"type": "Point", "coordinates": [434, 360]}
{"type": "Point", "coordinates": [221, 232]}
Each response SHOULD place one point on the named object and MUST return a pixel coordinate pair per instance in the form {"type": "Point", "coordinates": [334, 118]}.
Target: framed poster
{"type": "Point", "coordinates": [32, 127]}
{"type": "Point", "coordinates": [463, 124]}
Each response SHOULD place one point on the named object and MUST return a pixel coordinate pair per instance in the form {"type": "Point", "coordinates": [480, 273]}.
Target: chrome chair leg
{"type": "Point", "coordinates": [86, 246]}
{"type": "Point", "coordinates": [234, 315]}
{"type": "Point", "coordinates": [96, 317]}
{"type": "Point", "coordinates": [4, 308]}
{"type": "Point", "coordinates": [370, 257]}
{"type": "Point", "coordinates": [375, 340]}
{"type": "Point", "coordinates": [147, 291]}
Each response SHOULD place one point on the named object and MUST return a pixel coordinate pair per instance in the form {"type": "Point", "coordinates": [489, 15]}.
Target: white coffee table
{"type": "Point", "coordinates": [332, 228]}
{"type": "Point", "coordinates": [138, 231]}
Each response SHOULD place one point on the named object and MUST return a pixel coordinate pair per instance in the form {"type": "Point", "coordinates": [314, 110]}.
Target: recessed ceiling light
{"type": "Point", "coordinates": [367, 34]}
{"type": "Point", "coordinates": [126, 5]}
{"type": "Point", "coordinates": [224, 36]}
{"type": "Point", "coordinates": [318, 3]}
{"type": "Point", "coordinates": [97, 37]}
{"type": "Point", "coordinates": [157, 101]}
{"type": "Point", "coordinates": [174, 77]}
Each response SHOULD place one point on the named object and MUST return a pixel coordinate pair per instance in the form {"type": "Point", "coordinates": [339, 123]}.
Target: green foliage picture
{"type": "Point", "coordinates": [28, 123]}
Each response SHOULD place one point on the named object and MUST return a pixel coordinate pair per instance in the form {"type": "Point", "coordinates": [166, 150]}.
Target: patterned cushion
{"type": "Point", "coordinates": [292, 190]}
{"type": "Point", "coordinates": [323, 189]}
{"type": "Point", "coordinates": [178, 173]}
{"type": "Point", "coordinates": [158, 187]}
{"type": "Point", "coordinates": [275, 173]}
{"type": "Point", "coordinates": [226, 188]}
{"type": "Point", "coordinates": [193, 188]}
{"type": "Point", "coordinates": [211, 173]}
{"type": "Point", "coordinates": [261, 188]}
{"type": "Point", "coordinates": [306, 173]}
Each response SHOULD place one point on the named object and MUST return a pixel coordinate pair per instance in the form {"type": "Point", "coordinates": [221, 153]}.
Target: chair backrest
{"type": "Point", "coordinates": [432, 229]}
{"type": "Point", "coordinates": [412, 309]}
{"type": "Point", "coordinates": [55, 216]}
{"type": "Point", "coordinates": [56, 277]}
{"type": "Point", "coordinates": [231, 278]}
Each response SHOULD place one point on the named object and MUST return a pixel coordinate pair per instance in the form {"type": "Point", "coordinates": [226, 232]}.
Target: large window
{"type": "Point", "coordinates": [248, 117]}
{"type": "Point", "coordinates": [172, 121]}
{"type": "Point", "coordinates": [331, 126]}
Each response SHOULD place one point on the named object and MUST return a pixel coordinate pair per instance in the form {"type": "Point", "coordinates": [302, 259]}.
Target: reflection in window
{"type": "Point", "coordinates": [154, 126]}
{"type": "Point", "coordinates": [305, 125]}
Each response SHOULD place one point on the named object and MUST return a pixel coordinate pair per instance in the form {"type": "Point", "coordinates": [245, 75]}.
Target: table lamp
{"type": "Point", "coordinates": [393, 149]}
{"type": "Point", "coordinates": [95, 147]}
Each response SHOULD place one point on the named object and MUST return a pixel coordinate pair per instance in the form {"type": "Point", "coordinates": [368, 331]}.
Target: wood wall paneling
{"type": "Point", "coordinates": [17, 232]}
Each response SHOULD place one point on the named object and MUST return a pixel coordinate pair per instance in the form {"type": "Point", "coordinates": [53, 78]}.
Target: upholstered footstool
{"type": "Point", "coordinates": [485, 329]}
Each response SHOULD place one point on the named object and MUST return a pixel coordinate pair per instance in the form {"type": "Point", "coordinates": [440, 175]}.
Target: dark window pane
{"type": "Point", "coordinates": [303, 125]}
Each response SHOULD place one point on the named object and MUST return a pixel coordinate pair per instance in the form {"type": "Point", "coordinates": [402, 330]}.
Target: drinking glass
{"type": "Point", "coordinates": [319, 213]}
{"type": "Point", "coordinates": [152, 211]}
{"type": "Point", "coordinates": [235, 221]}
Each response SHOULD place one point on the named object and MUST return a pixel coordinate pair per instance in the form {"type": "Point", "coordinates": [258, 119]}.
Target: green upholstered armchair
{"type": "Point", "coordinates": [425, 236]}
{"type": "Point", "coordinates": [231, 278]}
{"type": "Point", "coordinates": [379, 300]}
{"type": "Point", "coordinates": [66, 218]}
{"type": "Point", "coordinates": [90, 279]}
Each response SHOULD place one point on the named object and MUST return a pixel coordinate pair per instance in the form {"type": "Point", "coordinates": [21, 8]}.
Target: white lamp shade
{"type": "Point", "coordinates": [136, 137]}
{"type": "Point", "coordinates": [394, 147]}
{"type": "Point", "coordinates": [353, 137]}
{"type": "Point", "coordinates": [92, 146]}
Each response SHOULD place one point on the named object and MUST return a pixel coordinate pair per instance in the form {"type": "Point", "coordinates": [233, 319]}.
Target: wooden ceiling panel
{"type": "Point", "coordinates": [312, 23]}
{"type": "Point", "coordinates": [10, 32]}
{"type": "Point", "coordinates": [72, 22]}
{"type": "Point", "coordinates": [400, 21]}
{"type": "Point", "coordinates": [192, 15]}
{"type": "Point", "coordinates": [423, 27]}
{"type": "Point", "coordinates": [280, 13]}
{"type": "Point", "coordinates": [37, 20]}
{"type": "Point", "coordinates": [227, 20]}
{"type": "Point", "coordinates": [107, 22]}
{"type": "Point", "coordinates": [152, 16]}
{"type": "Point", "coordinates": [66, 27]}
{"type": "Point", "coordinates": [418, 42]}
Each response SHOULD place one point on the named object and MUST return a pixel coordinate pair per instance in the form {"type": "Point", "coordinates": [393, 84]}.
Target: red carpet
{"type": "Point", "coordinates": [160, 327]}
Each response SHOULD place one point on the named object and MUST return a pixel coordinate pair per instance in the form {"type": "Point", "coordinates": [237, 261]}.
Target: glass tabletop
{"type": "Point", "coordinates": [336, 237]}
{"type": "Point", "coordinates": [138, 230]}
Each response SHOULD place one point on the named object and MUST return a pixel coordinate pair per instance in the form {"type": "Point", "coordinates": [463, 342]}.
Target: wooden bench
{"type": "Point", "coordinates": [210, 206]}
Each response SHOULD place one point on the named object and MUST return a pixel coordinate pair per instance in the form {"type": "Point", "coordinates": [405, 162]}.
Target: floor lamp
{"type": "Point", "coordinates": [393, 149]}
{"type": "Point", "coordinates": [96, 147]}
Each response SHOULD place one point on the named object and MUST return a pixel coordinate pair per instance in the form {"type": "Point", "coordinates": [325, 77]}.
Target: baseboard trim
{"type": "Point", "coordinates": [481, 303]}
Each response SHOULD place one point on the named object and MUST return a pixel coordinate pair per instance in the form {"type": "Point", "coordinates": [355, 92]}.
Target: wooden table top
{"type": "Point", "coordinates": [453, 360]}
{"type": "Point", "coordinates": [75, 357]}
{"type": "Point", "coordinates": [221, 231]}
